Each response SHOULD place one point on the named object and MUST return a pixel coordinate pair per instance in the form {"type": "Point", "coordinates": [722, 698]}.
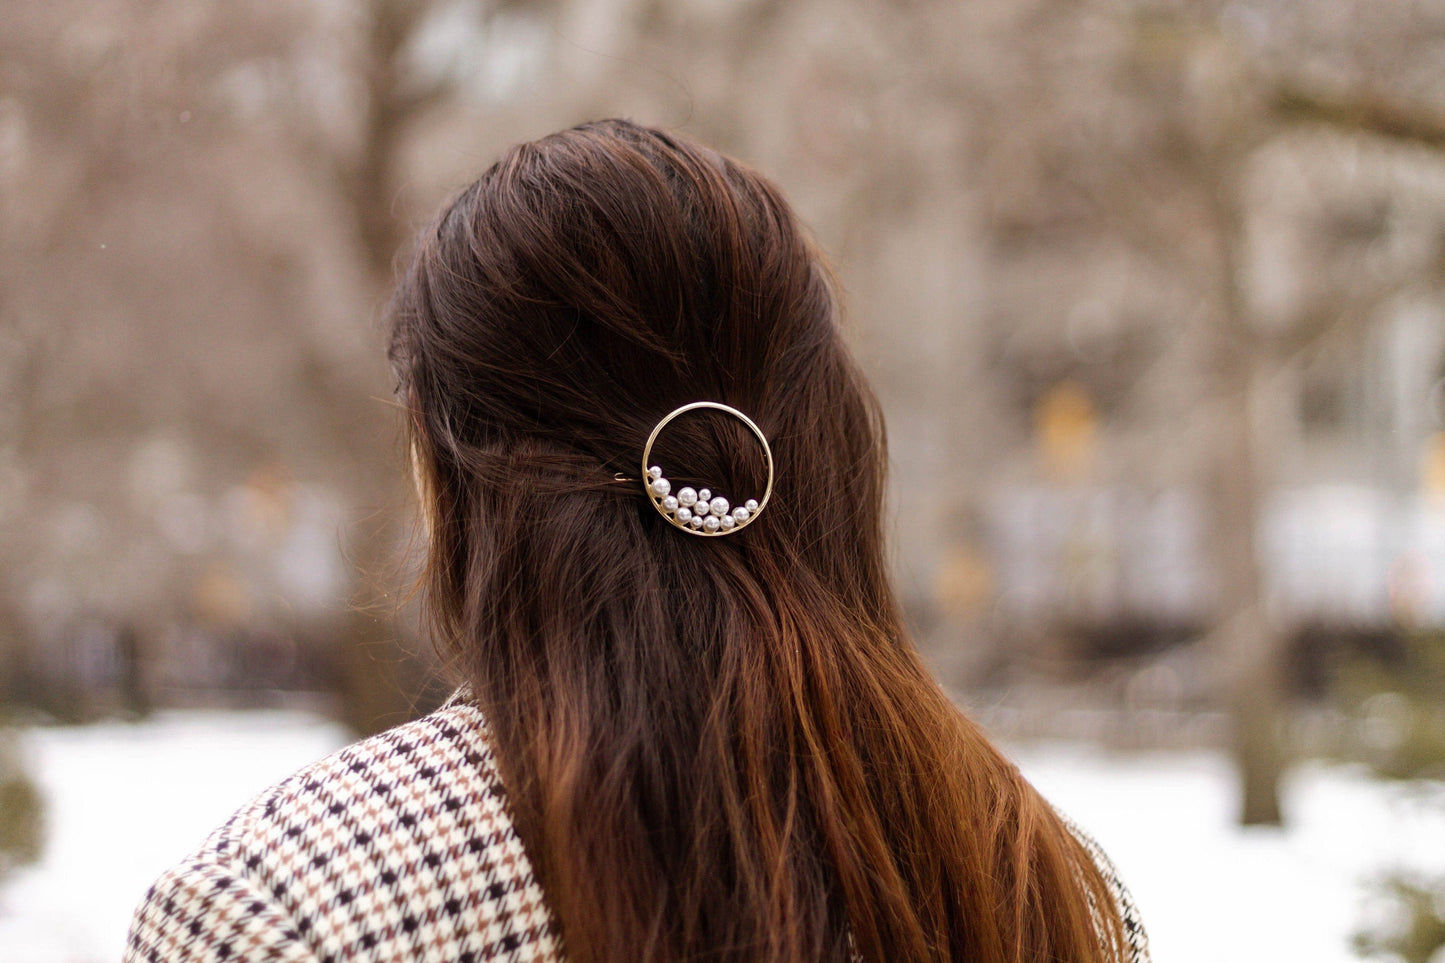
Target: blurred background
{"type": "Point", "coordinates": [1151, 292]}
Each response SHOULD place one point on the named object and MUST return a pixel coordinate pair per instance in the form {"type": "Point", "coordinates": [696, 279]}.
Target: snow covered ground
{"type": "Point", "coordinates": [1208, 890]}
{"type": "Point", "coordinates": [124, 803]}
{"type": "Point", "coordinates": [127, 801]}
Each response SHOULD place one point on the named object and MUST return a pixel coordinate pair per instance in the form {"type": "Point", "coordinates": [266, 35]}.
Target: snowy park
{"type": "Point", "coordinates": [1146, 299]}
{"type": "Point", "coordinates": [125, 801]}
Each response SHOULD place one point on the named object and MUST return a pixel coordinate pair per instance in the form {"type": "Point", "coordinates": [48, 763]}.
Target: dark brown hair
{"type": "Point", "coordinates": [715, 749]}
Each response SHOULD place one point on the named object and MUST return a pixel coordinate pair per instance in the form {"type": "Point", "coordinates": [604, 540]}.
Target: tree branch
{"type": "Point", "coordinates": [1367, 113]}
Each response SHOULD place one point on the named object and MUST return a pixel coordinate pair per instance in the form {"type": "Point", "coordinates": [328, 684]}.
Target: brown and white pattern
{"type": "Point", "coordinates": [397, 848]}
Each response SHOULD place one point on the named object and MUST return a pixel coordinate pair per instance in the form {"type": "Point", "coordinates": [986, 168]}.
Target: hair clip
{"type": "Point", "coordinates": [702, 512]}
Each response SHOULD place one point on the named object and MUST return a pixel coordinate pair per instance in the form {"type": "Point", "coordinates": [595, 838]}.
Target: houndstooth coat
{"type": "Point", "coordinates": [396, 848]}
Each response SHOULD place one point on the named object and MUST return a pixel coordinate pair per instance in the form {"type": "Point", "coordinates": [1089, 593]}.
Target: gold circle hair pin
{"type": "Point", "coordinates": [702, 511]}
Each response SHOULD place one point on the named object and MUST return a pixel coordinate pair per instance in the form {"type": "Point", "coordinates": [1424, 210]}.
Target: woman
{"type": "Point", "coordinates": [668, 747]}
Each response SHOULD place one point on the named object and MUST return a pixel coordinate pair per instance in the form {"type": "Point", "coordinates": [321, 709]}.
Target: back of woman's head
{"type": "Point", "coordinates": [715, 747]}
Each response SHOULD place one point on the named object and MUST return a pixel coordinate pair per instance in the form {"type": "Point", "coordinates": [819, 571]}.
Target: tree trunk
{"type": "Point", "coordinates": [1248, 645]}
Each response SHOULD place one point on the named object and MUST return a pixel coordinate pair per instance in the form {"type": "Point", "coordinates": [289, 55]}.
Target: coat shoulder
{"type": "Point", "coordinates": [397, 846]}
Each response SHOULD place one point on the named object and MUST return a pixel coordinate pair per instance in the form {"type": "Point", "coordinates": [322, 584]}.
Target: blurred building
{"type": "Point", "coordinates": [1353, 531]}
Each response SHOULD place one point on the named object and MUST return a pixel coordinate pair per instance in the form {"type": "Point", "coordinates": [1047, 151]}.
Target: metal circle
{"type": "Point", "coordinates": [657, 499]}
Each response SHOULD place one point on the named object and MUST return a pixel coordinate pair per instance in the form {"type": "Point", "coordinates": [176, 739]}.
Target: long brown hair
{"type": "Point", "coordinates": [715, 749]}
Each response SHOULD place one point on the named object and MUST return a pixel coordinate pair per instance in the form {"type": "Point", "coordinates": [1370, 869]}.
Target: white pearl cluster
{"type": "Point", "coordinates": [701, 511]}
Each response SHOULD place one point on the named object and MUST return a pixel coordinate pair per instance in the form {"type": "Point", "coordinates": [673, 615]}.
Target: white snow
{"type": "Point", "coordinates": [1208, 890]}
{"type": "Point", "coordinates": [127, 801]}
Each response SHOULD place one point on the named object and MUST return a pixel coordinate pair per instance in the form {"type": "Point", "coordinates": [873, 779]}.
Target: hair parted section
{"type": "Point", "coordinates": [720, 749]}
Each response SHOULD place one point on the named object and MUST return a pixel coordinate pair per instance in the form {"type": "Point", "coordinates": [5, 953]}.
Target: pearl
{"type": "Point", "coordinates": [719, 506]}
{"type": "Point", "coordinates": [654, 472]}
{"type": "Point", "coordinates": [687, 497]}
{"type": "Point", "coordinates": [683, 513]}
{"type": "Point", "coordinates": [727, 522]}
{"type": "Point", "coordinates": [704, 495]}
{"type": "Point", "coordinates": [661, 486]}
{"type": "Point", "coordinates": [751, 504]}
{"type": "Point", "coordinates": [696, 521]}
{"type": "Point", "coordinates": [711, 523]}
{"type": "Point", "coordinates": [740, 514]}
{"type": "Point", "coordinates": [670, 503]}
